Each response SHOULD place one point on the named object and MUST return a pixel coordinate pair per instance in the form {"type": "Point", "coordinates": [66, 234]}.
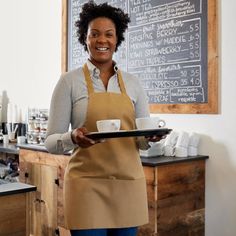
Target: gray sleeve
{"type": "Point", "coordinates": [58, 138]}
{"type": "Point", "coordinates": [141, 105]}
{"type": "Point", "coordinates": [141, 110]}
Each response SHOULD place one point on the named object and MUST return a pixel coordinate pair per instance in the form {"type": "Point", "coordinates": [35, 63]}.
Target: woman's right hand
{"type": "Point", "coordinates": [78, 137]}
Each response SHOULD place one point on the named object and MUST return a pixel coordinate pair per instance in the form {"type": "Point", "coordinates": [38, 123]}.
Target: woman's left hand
{"type": "Point", "coordinates": [155, 138]}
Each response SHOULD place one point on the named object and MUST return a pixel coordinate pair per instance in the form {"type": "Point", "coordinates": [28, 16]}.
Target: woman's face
{"type": "Point", "coordinates": [101, 40]}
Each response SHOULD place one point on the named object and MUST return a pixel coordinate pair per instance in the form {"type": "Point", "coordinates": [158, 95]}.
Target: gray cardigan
{"type": "Point", "coordinates": [69, 104]}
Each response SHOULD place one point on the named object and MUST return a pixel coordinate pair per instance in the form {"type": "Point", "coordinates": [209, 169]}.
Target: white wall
{"type": "Point", "coordinates": [30, 66]}
{"type": "Point", "coordinates": [30, 41]}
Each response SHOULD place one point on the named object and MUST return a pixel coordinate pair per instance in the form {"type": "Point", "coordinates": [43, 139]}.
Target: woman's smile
{"type": "Point", "coordinates": [102, 49]}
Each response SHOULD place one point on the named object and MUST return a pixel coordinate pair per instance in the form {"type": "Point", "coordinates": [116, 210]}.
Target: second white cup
{"type": "Point", "coordinates": [149, 123]}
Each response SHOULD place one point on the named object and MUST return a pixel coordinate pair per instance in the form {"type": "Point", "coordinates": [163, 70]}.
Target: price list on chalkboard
{"type": "Point", "coordinates": [165, 46]}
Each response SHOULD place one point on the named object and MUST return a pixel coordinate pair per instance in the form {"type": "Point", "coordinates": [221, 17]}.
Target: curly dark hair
{"type": "Point", "coordinates": [91, 11]}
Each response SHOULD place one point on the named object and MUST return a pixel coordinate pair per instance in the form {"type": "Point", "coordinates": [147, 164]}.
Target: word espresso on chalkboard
{"type": "Point", "coordinates": [166, 47]}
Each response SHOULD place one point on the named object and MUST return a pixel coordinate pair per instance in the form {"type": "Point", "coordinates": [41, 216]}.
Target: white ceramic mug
{"type": "Point", "coordinates": [149, 123]}
{"type": "Point", "coordinates": [5, 139]}
{"type": "Point", "coordinates": [108, 125]}
{"type": "Point", "coordinates": [21, 139]}
{"type": "Point", "coordinates": [12, 135]}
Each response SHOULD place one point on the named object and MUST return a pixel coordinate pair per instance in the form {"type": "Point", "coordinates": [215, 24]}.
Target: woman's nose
{"type": "Point", "coordinates": [102, 38]}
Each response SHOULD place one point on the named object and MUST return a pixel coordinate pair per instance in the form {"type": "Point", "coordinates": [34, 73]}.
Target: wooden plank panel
{"type": "Point", "coordinates": [151, 180]}
{"type": "Point", "coordinates": [13, 215]}
{"type": "Point", "coordinates": [191, 223]}
{"type": "Point", "coordinates": [181, 179]}
{"type": "Point", "coordinates": [44, 158]}
{"type": "Point", "coordinates": [151, 184]}
{"type": "Point", "coordinates": [64, 232]}
{"type": "Point", "coordinates": [60, 204]}
{"type": "Point", "coordinates": [150, 228]}
{"type": "Point", "coordinates": [64, 57]}
{"type": "Point", "coordinates": [181, 192]}
{"type": "Point", "coordinates": [48, 201]}
{"type": "Point", "coordinates": [30, 174]}
{"type": "Point", "coordinates": [35, 179]}
{"type": "Point", "coordinates": [173, 207]}
{"type": "Point", "coordinates": [25, 169]}
{"type": "Point", "coordinates": [149, 173]}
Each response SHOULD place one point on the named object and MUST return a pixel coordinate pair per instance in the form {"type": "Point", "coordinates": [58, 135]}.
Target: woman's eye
{"type": "Point", "coordinates": [109, 35]}
{"type": "Point", "coordinates": [94, 34]}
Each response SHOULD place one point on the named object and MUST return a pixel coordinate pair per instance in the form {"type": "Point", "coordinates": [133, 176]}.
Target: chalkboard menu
{"type": "Point", "coordinates": [166, 47]}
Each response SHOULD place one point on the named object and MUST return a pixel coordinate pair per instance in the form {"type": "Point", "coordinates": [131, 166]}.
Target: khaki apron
{"type": "Point", "coordinates": [104, 184]}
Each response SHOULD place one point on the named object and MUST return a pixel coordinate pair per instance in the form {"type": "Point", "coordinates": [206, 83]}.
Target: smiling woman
{"type": "Point", "coordinates": [101, 43]}
{"type": "Point", "coordinates": [99, 173]}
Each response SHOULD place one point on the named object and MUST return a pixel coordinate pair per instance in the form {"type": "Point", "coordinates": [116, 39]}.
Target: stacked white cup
{"type": "Point", "coordinates": [170, 142]}
{"type": "Point", "coordinates": [193, 144]}
{"type": "Point", "coordinates": [181, 149]}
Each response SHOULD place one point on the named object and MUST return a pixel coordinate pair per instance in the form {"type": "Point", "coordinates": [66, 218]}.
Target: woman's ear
{"type": "Point", "coordinates": [85, 43]}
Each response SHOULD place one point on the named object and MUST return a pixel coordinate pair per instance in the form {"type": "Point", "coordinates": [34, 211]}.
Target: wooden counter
{"type": "Point", "coordinates": [14, 208]}
{"type": "Point", "coordinates": [175, 186]}
{"type": "Point", "coordinates": [176, 199]}
{"type": "Point", "coordinates": [14, 202]}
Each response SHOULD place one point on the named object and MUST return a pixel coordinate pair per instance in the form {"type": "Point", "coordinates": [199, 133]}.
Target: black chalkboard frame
{"type": "Point", "coordinates": [211, 107]}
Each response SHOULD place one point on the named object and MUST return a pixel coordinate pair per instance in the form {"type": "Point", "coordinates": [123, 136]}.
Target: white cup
{"type": "Point", "coordinates": [21, 139]}
{"type": "Point", "coordinates": [183, 140]}
{"type": "Point", "coordinates": [108, 125]}
{"type": "Point", "coordinates": [5, 139]}
{"type": "Point", "coordinates": [169, 151]}
{"type": "Point", "coordinates": [149, 123]}
{"type": "Point", "coordinates": [12, 135]}
{"type": "Point", "coordinates": [181, 151]}
{"type": "Point", "coordinates": [192, 151]}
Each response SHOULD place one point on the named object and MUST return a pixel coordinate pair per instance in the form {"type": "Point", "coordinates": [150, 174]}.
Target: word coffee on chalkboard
{"type": "Point", "coordinates": [165, 46]}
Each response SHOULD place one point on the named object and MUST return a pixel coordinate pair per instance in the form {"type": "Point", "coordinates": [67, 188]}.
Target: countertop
{"type": "Point", "coordinates": [15, 188]}
{"type": "Point", "coordinates": [10, 148]}
{"type": "Point", "coordinates": [146, 161]}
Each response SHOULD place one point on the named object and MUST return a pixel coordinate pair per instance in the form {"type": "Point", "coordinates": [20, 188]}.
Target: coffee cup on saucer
{"type": "Point", "coordinates": [109, 125]}
{"type": "Point", "coordinates": [149, 123]}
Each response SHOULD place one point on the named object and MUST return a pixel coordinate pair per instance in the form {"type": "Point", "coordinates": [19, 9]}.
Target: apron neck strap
{"type": "Point", "coordinates": [121, 82]}
{"type": "Point", "coordinates": [87, 79]}
{"type": "Point", "coordinates": [90, 84]}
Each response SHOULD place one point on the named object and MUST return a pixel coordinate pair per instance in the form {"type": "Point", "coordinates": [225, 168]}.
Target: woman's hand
{"type": "Point", "coordinates": [78, 137]}
{"type": "Point", "coordinates": [155, 138]}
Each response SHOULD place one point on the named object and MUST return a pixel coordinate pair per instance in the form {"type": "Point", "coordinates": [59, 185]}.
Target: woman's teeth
{"type": "Point", "coordinates": [102, 49]}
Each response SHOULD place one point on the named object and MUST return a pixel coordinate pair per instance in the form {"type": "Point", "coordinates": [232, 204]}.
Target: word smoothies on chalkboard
{"type": "Point", "coordinates": [166, 47]}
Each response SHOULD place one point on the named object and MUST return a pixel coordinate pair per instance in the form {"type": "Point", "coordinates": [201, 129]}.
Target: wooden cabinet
{"type": "Point", "coordinates": [176, 199]}
{"type": "Point", "coordinates": [46, 172]}
{"type": "Point", "coordinates": [43, 207]}
{"type": "Point", "coordinates": [176, 195]}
